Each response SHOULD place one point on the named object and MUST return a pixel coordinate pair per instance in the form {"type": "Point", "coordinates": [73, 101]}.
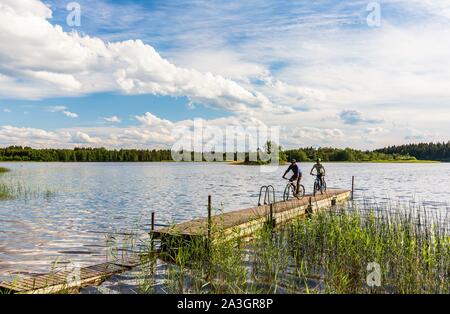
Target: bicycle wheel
{"type": "Point", "coordinates": [324, 187]}
{"type": "Point", "coordinates": [288, 192]}
{"type": "Point", "coordinates": [301, 192]}
{"type": "Point", "coordinates": [316, 188]}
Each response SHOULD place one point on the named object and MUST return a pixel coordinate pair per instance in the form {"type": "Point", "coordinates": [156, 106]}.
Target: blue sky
{"type": "Point", "coordinates": [317, 69]}
{"type": "Point", "coordinates": [92, 110]}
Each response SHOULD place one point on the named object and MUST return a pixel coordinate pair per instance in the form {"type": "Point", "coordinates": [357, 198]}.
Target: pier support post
{"type": "Point", "coordinates": [209, 217]}
{"type": "Point", "coordinates": [309, 209]}
{"type": "Point", "coordinates": [152, 228]}
{"type": "Point", "coordinates": [152, 243]}
{"type": "Point", "coordinates": [353, 186]}
{"type": "Point", "coordinates": [271, 220]}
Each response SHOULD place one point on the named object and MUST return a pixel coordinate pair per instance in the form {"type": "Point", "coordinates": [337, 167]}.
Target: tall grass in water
{"type": "Point", "coordinates": [10, 188]}
{"type": "Point", "coordinates": [13, 190]}
{"type": "Point", "coordinates": [195, 265]}
{"type": "Point", "coordinates": [5, 192]}
{"type": "Point", "coordinates": [329, 252]}
{"type": "Point", "coordinates": [339, 247]}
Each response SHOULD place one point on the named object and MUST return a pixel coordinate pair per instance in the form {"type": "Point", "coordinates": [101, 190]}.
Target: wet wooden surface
{"type": "Point", "coordinates": [68, 280]}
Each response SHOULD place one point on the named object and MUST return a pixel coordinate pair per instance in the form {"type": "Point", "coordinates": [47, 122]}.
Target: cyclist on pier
{"type": "Point", "coordinates": [297, 174]}
{"type": "Point", "coordinates": [320, 170]}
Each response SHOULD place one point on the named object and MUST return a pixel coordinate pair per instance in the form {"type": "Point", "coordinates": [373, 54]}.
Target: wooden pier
{"type": "Point", "coordinates": [68, 280]}
{"type": "Point", "coordinates": [223, 227]}
{"type": "Point", "coordinates": [244, 223]}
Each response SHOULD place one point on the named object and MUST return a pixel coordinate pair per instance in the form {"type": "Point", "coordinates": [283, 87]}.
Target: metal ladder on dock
{"type": "Point", "coordinates": [268, 190]}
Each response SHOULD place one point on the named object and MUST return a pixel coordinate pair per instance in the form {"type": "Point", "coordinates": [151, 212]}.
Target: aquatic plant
{"type": "Point", "coordinates": [10, 188]}
{"type": "Point", "coordinates": [13, 190]}
{"type": "Point", "coordinates": [5, 192]}
{"type": "Point", "coordinates": [330, 252]}
{"type": "Point", "coordinates": [343, 248]}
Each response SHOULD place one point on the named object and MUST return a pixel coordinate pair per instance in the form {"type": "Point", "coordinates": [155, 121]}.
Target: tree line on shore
{"type": "Point", "coordinates": [430, 151]}
{"type": "Point", "coordinates": [438, 151]}
{"type": "Point", "coordinates": [347, 154]}
{"type": "Point", "coordinates": [19, 153]}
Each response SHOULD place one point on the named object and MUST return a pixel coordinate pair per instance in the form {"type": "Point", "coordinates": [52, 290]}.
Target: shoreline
{"type": "Point", "coordinates": [243, 163]}
{"type": "Point", "coordinates": [239, 163]}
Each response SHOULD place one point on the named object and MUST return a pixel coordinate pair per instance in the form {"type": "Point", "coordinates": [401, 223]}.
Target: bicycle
{"type": "Point", "coordinates": [318, 186]}
{"type": "Point", "coordinates": [289, 191]}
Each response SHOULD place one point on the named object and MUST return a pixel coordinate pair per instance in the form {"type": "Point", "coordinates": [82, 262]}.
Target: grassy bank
{"type": "Point", "coordinates": [347, 251]}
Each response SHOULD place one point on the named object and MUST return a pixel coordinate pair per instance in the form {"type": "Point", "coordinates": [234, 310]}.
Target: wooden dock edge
{"type": "Point", "coordinates": [255, 219]}
{"type": "Point", "coordinates": [280, 218]}
{"type": "Point", "coordinates": [68, 281]}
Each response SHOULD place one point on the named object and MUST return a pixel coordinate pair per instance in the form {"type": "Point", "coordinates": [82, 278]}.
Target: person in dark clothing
{"type": "Point", "coordinates": [297, 174]}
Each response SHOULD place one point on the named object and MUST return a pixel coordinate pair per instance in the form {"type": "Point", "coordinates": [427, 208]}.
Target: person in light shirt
{"type": "Point", "coordinates": [320, 170]}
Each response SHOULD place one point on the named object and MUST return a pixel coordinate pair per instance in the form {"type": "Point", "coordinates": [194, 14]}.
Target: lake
{"type": "Point", "coordinates": [67, 212]}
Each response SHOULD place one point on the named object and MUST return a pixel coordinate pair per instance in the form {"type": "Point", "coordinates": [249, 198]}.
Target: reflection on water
{"type": "Point", "coordinates": [94, 200]}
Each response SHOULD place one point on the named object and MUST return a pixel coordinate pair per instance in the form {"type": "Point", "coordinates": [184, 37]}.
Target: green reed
{"type": "Point", "coordinates": [10, 188]}
{"type": "Point", "coordinates": [329, 252]}
{"type": "Point", "coordinates": [13, 190]}
{"type": "Point", "coordinates": [5, 192]}
{"type": "Point", "coordinates": [413, 257]}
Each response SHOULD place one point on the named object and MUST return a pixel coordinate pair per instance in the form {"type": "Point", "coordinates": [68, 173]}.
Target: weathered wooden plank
{"type": "Point", "coordinates": [55, 282]}
{"type": "Point", "coordinates": [16, 285]}
{"type": "Point", "coordinates": [9, 287]}
{"type": "Point", "coordinates": [32, 283]}
{"type": "Point", "coordinates": [132, 262]}
{"type": "Point", "coordinates": [87, 272]}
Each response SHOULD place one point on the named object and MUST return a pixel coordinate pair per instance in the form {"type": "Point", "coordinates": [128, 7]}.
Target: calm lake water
{"type": "Point", "coordinates": [67, 211]}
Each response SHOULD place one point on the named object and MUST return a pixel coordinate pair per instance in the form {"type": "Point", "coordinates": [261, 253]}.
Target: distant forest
{"type": "Point", "coordinates": [347, 154]}
{"type": "Point", "coordinates": [430, 151]}
{"type": "Point", "coordinates": [18, 153]}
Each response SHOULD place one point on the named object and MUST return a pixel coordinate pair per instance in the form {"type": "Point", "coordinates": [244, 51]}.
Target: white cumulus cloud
{"type": "Point", "coordinates": [113, 119]}
{"type": "Point", "coordinates": [43, 60]}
